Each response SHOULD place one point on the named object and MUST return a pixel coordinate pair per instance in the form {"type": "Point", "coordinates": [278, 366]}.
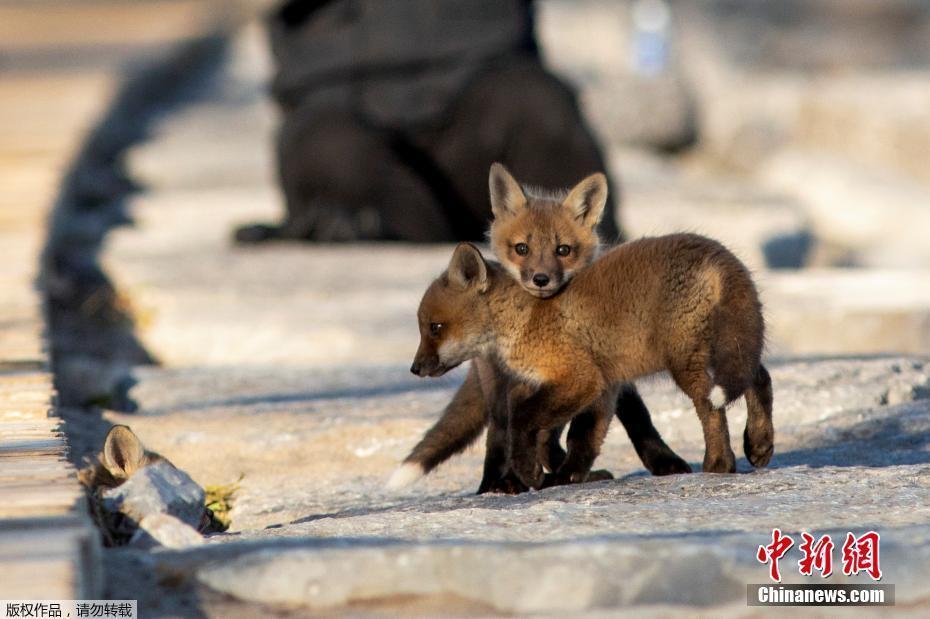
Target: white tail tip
{"type": "Point", "coordinates": [404, 475]}
{"type": "Point", "coordinates": [717, 397]}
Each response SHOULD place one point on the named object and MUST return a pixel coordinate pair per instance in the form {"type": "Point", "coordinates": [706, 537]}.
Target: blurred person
{"type": "Point", "coordinates": [394, 111]}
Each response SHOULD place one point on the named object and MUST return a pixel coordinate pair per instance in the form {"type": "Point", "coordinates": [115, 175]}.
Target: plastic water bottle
{"type": "Point", "coordinates": [651, 20]}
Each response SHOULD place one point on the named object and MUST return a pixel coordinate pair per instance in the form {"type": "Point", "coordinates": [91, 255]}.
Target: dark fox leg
{"type": "Point", "coordinates": [462, 421]}
{"type": "Point", "coordinates": [498, 387]}
{"type": "Point", "coordinates": [495, 479]}
{"type": "Point", "coordinates": [495, 458]}
{"type": "Point", "coordinates": [534, 411]}
{"type": "Point", "coordinates": [549, 451]}
{"type": "Point", "coordinates": [585, 437]}
{"type": "Point", "coordinates": [551, 454]}
{"type": "Point", "coordinates": [759, 436]}
{"type": "Point", "coordinates": [552, 457]}
{"type": "Point", "coordinates": [657, 457]}
{"type": "Point", "coordinates": [556, 456]}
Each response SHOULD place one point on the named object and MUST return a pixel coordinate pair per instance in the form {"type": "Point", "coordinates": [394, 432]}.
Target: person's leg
{"type": "Point", "coordinates": [343, 181]}
{"type": "Point", "coordinates": [527, 119]}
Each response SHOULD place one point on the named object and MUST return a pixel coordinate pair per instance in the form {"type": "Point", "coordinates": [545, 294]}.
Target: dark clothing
{"type": "Point", "coordinates": [394, 112]}
{"type": "Point", "coordinates": [393, 63]}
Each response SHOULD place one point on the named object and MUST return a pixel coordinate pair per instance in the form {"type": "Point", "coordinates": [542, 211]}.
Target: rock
{"type": "Point", "coordinates": [843, 78]}
{"type": "Point", "coordinates": [90, 380]}
{"type": "Point", "coordinates": [881, 219]}
{"type": "Point", "coordinates": [659, 198]}
{"type": "Point", "coordinates": [623, 106]}
{"type": "Point", "coordinates": [877, 120]}
{"type": "Point", "coordinates": [814, 36]}
{"type": "Point", "coordinates": [646, 111]}
{"type": "Point", "coordinates": [158, 488]}
{"type": "Point", "coordinates": [164, 530]}
{"type": "Point", "coordinates": [847, 311]}
{"type": "Point", "coordinates": [788, 250]}
{"type": "Point", "coordinates": [608, 573]}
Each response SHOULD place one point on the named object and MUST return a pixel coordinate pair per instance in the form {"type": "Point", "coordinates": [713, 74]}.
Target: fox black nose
{"type": "Point", "coordinates": [415, 368]}
{"type": "Point", "coordinates": [541, 279]}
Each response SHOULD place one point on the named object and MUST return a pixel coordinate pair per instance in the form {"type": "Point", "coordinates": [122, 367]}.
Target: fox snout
{"type": "Point", "coordinates": [541, 283]}
{"type": "Point", "coordinates": [428, 367]}
{"type": "Point", "coordinates": [427, 363]}
{"type": "Point", "coordinates": [541, 280]}
{"type": "Point", "coordinates": [421, 369]}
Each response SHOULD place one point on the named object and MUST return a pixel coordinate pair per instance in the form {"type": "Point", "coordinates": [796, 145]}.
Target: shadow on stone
{"type": "Point", "coordinates": [899, 438]}
{"type": "Point", "coordinates": [788, 251]}
{"type": "Point", "coordinates": [384, 390]}
{"type": "Point", "coordinates": [92, 330]}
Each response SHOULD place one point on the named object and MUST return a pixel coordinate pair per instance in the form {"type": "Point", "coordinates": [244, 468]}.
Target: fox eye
{"type": "Point", "coordinates": [563, 250]}
{"type": "Point", "coordinates": [435, 328]}
{"type": "Point", "coordinates": [522, 249]}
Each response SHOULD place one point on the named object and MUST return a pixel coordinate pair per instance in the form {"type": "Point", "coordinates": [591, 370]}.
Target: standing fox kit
{"type": "Point", "coordinates": [681, 303]}
{"type": "Point", "coordinates": [542, 239]}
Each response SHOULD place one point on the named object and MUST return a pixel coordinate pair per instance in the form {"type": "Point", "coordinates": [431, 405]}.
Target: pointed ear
{"type": "Point", "coordinates": [468, 268]}
{"type": "Point", "coordinates": [587, 199]}
{"type": "Point", "coordinates": [123, 453]}
{"type": "Point", "coordinates": [506, 194]}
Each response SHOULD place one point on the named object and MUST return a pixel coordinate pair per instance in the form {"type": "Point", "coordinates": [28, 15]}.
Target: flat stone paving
{"type": "Point", "coordinates": [46, 542]}
{"type": "Point", "coordinates": [287, 365]}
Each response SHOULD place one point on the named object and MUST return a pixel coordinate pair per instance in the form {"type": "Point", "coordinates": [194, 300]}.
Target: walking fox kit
{"type": "Point", "coordinates": [681, 303]}
{"type": "Point", "coordinates": [543, 240]}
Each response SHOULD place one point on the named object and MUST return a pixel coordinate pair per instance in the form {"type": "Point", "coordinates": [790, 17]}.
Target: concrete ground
{"type": "Point", "coordinates": [287, 365]}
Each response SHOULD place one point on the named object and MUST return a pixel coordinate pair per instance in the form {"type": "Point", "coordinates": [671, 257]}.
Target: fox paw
{"type": "Point", "coordinates": [509, 483]}
{"type": "Point", "coordinates": [554, 479]}
{"type": "Point", "coordinates": [562, 479]}
{"type": "Point", "coordinates": [720, 463]}
{"type": "Point", "coordinates": [599, 475]}
{"type": "Point", "coordinates": [669, 465]}
{"type": "Point", "coordinates": [759, 451]}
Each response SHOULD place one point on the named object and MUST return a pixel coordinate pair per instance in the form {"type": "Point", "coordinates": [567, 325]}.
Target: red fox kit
{"type": "Point", "coordinates": [122, 455]}
{"type": "Point", "coordinates": [681, 303]}
{"type": "Point", "coordinates": [542, 239]}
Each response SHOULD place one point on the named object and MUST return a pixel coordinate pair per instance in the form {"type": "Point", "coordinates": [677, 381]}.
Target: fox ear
{"type": "Point", "coordinates": [468, 268]}
{"type": "Point", "coordinates": [123, 453]}
{"type": "Point", "coordinates": [587, 199]}
{"type": "Point", "coordinates": [506, 194]}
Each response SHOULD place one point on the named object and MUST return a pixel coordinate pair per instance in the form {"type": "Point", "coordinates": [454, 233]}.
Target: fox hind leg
{"type": "Point", "coordinates": [694, 379]}
{"type": "Point", "coordinates": [460, 425]}
{"type": "Point", "coordinates": [759, 436]}
{"type": "Point", "coordinates": [655, 454]}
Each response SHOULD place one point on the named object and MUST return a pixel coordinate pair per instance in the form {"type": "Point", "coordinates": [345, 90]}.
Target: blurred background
{"type": "Point", "coordinates": [233, 209]}
{"type": "Point", "coordinates": [796, 132]}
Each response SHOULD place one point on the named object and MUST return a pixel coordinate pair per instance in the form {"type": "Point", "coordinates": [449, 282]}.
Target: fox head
{"type": "Point", "coordinates": [122, 455]}
{"type": "Point", "coordinates": [454, 316]}
{"type": "Point", "coordinates": [543, 240]}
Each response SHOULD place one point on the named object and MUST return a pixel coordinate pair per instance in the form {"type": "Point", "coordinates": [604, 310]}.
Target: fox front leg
{"type": "Point", "coordinates": [537, 411]}
{"type": "Point", "coordinates": [585, 436]}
